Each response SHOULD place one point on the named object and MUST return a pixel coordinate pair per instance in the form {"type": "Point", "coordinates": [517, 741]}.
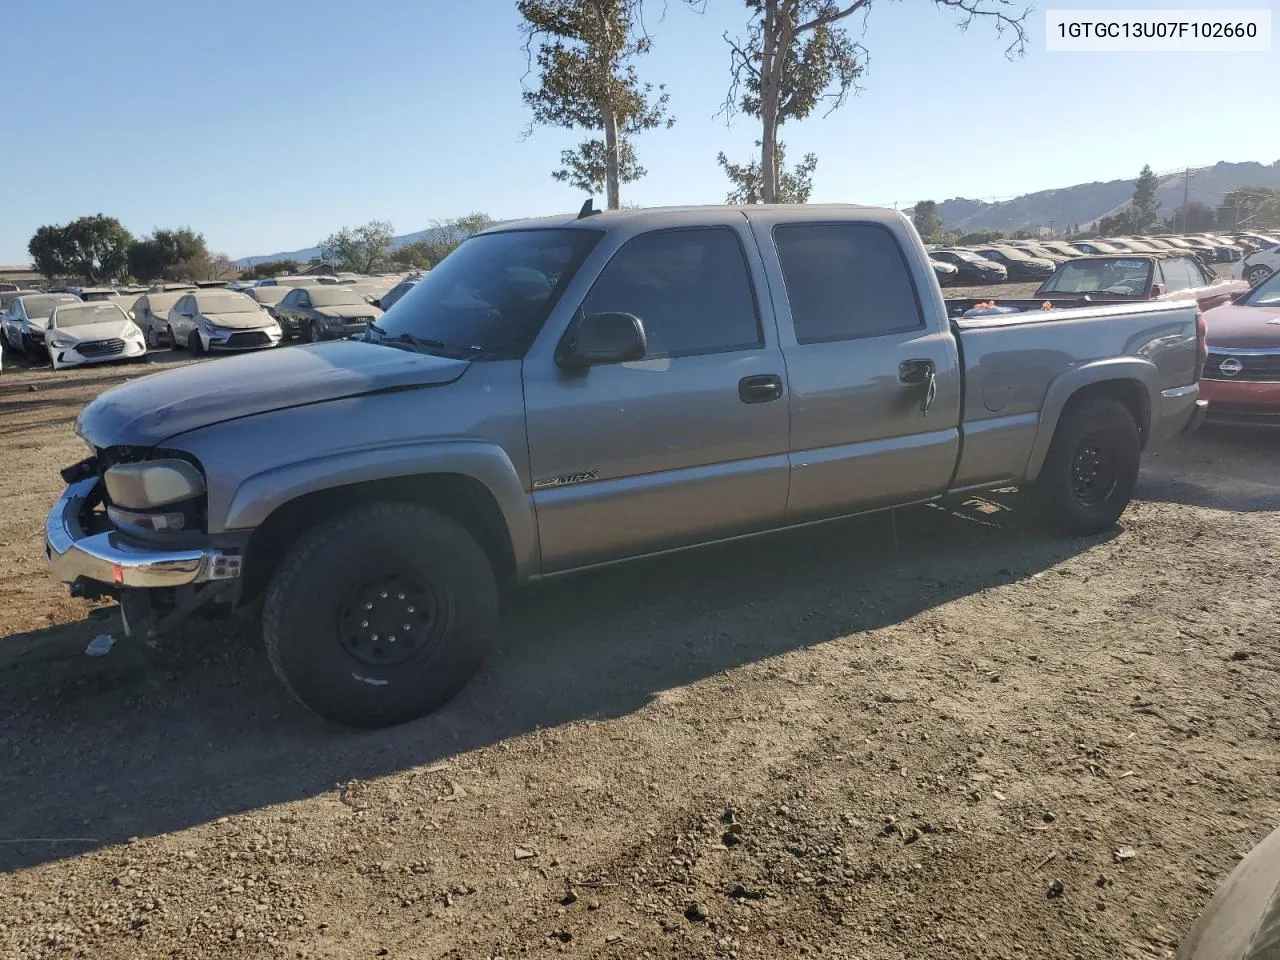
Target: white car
{"type": "Point", "coordinates": [80, 333]}
{"type": "Point", "coordinates": [1258, 266]}
{"type": "Point", "coordinates": [219, 319]}
{"type": "Point", "coordinates": [23, 323]}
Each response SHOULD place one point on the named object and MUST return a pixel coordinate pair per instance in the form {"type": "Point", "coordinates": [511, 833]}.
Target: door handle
{"type": "Point", "coordinates": [917, 372]}
{"type": "Point", "coordinates": [761, 388]}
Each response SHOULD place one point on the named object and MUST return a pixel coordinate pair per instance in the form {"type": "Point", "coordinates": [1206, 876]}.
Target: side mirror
{"type": "Point", "coordinates": [600, 338]}
{"type": "Point", "coordinates": [1157, 290]}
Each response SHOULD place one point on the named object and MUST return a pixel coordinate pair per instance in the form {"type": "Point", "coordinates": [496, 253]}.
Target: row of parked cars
{"type": "Point", "coordinates": [76, 326]}
{"type": "Point", "coordinates": [1250, 256]}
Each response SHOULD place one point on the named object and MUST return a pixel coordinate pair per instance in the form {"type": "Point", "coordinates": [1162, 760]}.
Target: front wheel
{"type": "Point", "coordinates": [313, 332]}
{"type": "Point", "coordinates": [1089, 474]}
{"type": "Point", "coordinates": [177, 345]}
{"type": "Point", "coordinates": [380, 616]}
{"type": "Point", "coordinates": [1256, 274]}
{"type": "Point", "coordinates": [195, 346]}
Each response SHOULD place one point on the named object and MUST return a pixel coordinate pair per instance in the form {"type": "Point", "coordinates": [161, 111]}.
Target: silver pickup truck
{"type": "Point", "coordinates": [575, 391]}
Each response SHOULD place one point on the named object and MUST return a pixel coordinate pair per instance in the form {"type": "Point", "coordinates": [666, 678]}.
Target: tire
{"type": "Point", "coordinates": [173, 341]}
{"type": "Point", "coordinates": [153, 342]}
{"type": "Point", "coordinates": [1089, 474]}
{"type": "Point", "coordinates": [1256, 274]}
{"type": "Point", "coordinates": [313, 332]}
{"type": "Point", "coordinates": [195, 346]}
{"type": "Point", "coordinates": [328, 657]}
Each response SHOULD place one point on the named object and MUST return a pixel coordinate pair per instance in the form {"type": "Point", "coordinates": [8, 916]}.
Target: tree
{"type": "Point", "coordinates": [95, 248]}
{"type": "Point", "coordinates": [203, 266]}
{"type": "Point", "coordinates": [982, 236]}
{"type": "Point", "coordinates": [444, 236]}
{"type": "Point", "coordinates": [149, 257]}
{"type": "Point", "coordinates": [272, 268]}
{"type": "Point", "coordinates": [794, 186]}
{"type": "Point", "coordinates": [583, 52]}
{"type": "Point", "coordinates": [925, 217]}
{"type": "Point", "coordinates": [796, 55]}
{"type": "Point", "coordinates": [362, 249]}
{"type": "Point", "coordinates": [1194, 217]}
{"type": "Point", "coordinates": [1256, 208]}
{"type": "Point", "coordinates": [1145, 208]}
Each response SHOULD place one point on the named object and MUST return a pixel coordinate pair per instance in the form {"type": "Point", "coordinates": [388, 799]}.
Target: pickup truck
{"type": "Point", "coordinates": [573, 391]}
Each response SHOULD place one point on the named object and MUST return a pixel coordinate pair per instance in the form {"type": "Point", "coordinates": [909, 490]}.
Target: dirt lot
{"type": "Point", "coordinates": [936, 735]}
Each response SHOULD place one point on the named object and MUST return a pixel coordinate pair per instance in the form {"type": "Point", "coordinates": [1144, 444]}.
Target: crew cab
{"type": "Point", "coordinates": [568, 392]}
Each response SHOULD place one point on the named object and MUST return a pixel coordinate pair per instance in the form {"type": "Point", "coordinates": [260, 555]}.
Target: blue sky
{"type": "Point", "coordinates": [267, 125]}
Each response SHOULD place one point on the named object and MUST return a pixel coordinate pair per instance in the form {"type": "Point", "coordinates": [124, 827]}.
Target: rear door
{"type": "Point", "coordinates": [874, 378]}
{"type": "Point", "coordinates": [686, 445]}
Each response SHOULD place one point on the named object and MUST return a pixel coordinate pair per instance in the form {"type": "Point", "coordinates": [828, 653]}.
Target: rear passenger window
{"type": "Point", "coordinates": [846, 281]}
{"type": "Point", "coordinates": [689, 287]}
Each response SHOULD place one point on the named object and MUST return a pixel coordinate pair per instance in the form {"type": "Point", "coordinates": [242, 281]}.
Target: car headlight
{"type": "Point", "coordinates": [62, 343]}
{"type": "Point", "coordinates": [153, 483]}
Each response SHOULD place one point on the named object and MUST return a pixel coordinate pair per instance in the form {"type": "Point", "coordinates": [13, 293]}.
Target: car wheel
{"type": "Point", "coordinates": [194, 345]}
{"type": "Point", "coordinates": [313, 332]}
{"type": "Point", "coordinates": [1257, 273]}
{"type": "Point", "coordinates": [380, 616]}
{"type": "Point", "coordinates": [1089, 474]}
{"type": "Point", "coordinates": [153, 342]}
{"type": "Point", "coordinates": [174, 340]}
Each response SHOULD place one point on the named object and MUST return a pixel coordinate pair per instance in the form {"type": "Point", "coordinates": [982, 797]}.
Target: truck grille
{"type": "Point", "coordinates": [100, 348]}
{"type": "Point", "coordinates": [1255, 367]}
{"type": "Point", "coordinates": [255, 338]}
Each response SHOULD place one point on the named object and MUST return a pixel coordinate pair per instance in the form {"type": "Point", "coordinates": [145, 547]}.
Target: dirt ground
{"type": "Point", "coordinates": [939, 734]}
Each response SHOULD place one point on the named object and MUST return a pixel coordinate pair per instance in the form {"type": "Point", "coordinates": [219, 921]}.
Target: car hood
{"type": "Point", "coordinates": [1243, 327]}
{"type": "Point", "coordinates": [239, 321]}
{"type": "Point", "coordinates": [348, 310]}
{"type": "Point", "coordinates": [105, 330]}
{"type": "Point", "coordinates": [155, 408]}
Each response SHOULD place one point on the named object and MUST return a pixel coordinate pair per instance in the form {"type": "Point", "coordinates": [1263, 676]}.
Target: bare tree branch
{"type": "Point", "coordinates": [994, 10]}
{"type": "Point", "coordinates": [832, 17]}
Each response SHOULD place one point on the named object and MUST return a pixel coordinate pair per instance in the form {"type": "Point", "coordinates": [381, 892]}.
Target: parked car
{"type": "Point", "coordinates": [268, 297]}
{"type": "Point", "coordinates": [92, 332]}
{"type": "Point", "coordinates": [947, 273]}
{"type": "Point", "coordinates": [1018, 265]}
{"type": "Point", "coordinates": [568, 392]}
{"type": "Point", "coordinates": [26, 317]}
{"type": "Point", "coordinates": [214, 321]}
{"type": "Point", "coordinates": [289, 282]}
{"type": "Point", "coordinates": [8, 296]}
{"type": "Point", "coordinates": [1042, 252]}
{"type": "Point", "coordinates": [91, 294]}
{"type": "Point", "coordinates": [1095, 247]}
{"type": "Point", "coordinates": [1171, 276]}
{"type": "Point", "coordinates": [1258, 266]}
{"type": "Point", "coordinates": [325, 312]}
{"type": "Point", "coordinates": [151, 313]}
{"type": "Point", "coordinates": [388, 299]}
{"type": "Point", "coordinates": [1241, 379]}
{"type": "Point", "coordinates": [972, 268]}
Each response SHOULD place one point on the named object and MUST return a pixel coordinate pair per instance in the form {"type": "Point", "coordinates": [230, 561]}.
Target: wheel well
{"type": "Point", "coordinates": [462, 499]}
{"type": "Point", "coordinates": [1131, 393]}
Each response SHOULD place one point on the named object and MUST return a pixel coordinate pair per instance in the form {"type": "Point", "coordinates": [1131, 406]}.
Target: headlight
{"type": "Point", "coordinates": [62, 343]}
{"type": "Point", "coordinates": [153, 483]}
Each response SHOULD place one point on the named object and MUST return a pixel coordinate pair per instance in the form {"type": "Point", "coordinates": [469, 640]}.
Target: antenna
{"type": "Point", "coordinates": [587, 210]}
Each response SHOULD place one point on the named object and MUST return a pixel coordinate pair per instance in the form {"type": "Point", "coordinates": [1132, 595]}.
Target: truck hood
{"type": "Point", "coordinates": [1243, 327]}
{"type": "Point", "coordinates": [155, 408]}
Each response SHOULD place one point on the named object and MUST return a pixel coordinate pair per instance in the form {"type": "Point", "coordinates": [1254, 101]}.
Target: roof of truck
{"type": "Point", "coordinates": [658, 216]}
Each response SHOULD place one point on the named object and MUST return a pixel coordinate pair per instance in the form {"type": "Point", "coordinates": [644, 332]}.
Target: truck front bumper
{"type": "Point", "coordinates": [75, 554]}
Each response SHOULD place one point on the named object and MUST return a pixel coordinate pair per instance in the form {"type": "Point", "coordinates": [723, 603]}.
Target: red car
{"type": "Point", "coordinates": [1241, 378]}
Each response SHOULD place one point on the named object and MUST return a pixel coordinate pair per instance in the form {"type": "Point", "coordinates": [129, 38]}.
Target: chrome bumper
{"type": "Point", "coordinates": [74, 554]}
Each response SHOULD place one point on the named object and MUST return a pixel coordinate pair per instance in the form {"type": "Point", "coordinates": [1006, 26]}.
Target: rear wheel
{"type": "Point", "coordinates": [1089, 474]}
{"type": "Point", "coordinates": [1257, 273]}
{"type": "Point", "coordinates": [313, 332]}
{"type": "Point", "coordinates": [194, 344]}
{"type": "Point", "coordinates": [381, 615]}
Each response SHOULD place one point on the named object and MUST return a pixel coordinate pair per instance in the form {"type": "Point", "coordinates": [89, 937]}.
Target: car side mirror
{"type": "Point", "coordinates": [600, 338]}
{"type": "Point", "coordinates": [1157, 290]}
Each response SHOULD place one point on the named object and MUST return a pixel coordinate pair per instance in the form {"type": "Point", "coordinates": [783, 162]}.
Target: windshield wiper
{"type": "Point", "coordinates": [409, 338]}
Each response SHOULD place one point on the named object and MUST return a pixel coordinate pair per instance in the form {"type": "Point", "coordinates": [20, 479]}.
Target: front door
{"type": "Point", "coordinates": [875, 385]}
{"type": "Point", "coordinates": [686, 445]}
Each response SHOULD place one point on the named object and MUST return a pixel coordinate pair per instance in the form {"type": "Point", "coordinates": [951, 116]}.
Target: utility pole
{"type": "Point", "coordinates": [1186, 190]}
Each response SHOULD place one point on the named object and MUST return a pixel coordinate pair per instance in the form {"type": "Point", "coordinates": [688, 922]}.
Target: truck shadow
{"type": "Point", "coordinates": [94, 751]}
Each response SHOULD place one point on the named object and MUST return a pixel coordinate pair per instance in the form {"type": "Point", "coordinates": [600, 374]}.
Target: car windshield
{"type": "Point", "coordinates": [1265, 294]}
{"type": "Point", "coordinates": [491, 295]}
{"type": "Point", "coordinates": [1119, 276]}
{"type": "Point", "coordinates": [39, 308]}
{"type": "Point", "coordinates": [79, 315]}
{"type": "Point", "coordinates": [269, 294]}
{"type": "Point", "coordinates": [226, 303]}
{"type": "Point", "coordinates": [335, 296]}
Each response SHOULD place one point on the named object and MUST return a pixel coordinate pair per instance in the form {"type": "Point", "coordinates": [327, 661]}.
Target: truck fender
{"type": "Point", "coordinates": [1067, 384]}
{"type": "Point", "coordinates": [261, 494]}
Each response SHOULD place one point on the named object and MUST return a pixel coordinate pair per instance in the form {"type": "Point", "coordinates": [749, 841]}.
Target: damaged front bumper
{"type": "Point", "coordinates": [103, 563]}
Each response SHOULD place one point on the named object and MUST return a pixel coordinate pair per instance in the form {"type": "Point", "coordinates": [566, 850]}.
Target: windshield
{"type": "Point", "coordinates": [1118, 276]}
{"type": "Point", "coordinates": [335, 296]}
{"type": "Point", "coordinates": [491, 295]}
{"type": "Point", "coordinates": [963, 255]}
{"type": "Point", "coordinates": [226, 303]}
{"type": "Point", "coordinates": [76, 316]}
{"type": "Point", "coordinates": [269, 294]}
{"type": "Point", "coordinates": [1265, 294]}
{"type": "Point", "coordinates": [39, 308]}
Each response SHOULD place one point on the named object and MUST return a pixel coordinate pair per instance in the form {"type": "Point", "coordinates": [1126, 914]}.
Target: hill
{"type": "Point", "coordinates": [1087, 202]}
